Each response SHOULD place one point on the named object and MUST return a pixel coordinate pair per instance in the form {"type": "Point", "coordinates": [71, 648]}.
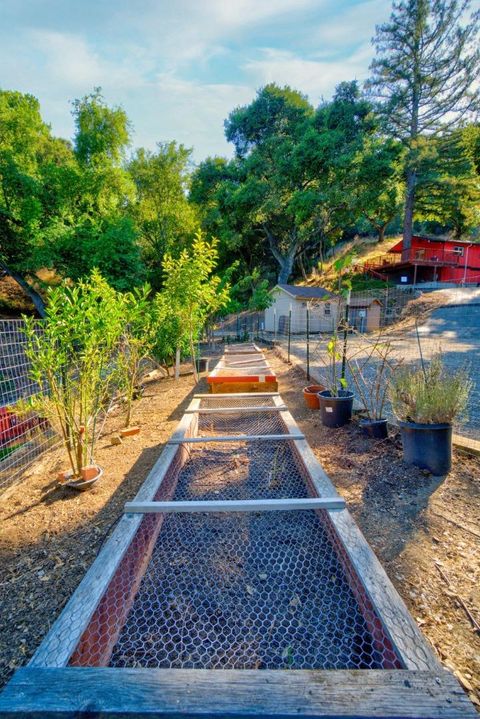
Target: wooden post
{"type": "Point", "coordinates": [308, 342]}
{"type": "Point", "coordinates": [177, 363]}
{"type": "Point", "coordinates": [289, 330]}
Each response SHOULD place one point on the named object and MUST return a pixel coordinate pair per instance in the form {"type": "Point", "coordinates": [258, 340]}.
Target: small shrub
{"type": "Point", "coordinates": [430, 394]}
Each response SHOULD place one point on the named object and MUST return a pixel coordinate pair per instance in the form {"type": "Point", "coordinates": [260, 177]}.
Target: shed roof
{"type": "Point", "coordinates": [301, 292]}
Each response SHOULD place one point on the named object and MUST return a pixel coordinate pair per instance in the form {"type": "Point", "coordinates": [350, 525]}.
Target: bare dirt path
{"type": "Point", "coordinates": [425, 531]}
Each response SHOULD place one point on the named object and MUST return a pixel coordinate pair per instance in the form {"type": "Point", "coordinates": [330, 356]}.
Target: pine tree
{"type": "Point", "coordinates": [426, 77]}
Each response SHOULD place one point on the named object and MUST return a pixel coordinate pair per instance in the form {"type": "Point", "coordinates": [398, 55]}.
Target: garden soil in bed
{"type": "Point", "coordinates": [425, 530]}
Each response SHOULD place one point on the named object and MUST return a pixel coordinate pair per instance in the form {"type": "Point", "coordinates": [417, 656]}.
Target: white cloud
{"type": "Point", "coordinates": [316, 78]}
{"type": "Point", "coordinates": [145, 56]}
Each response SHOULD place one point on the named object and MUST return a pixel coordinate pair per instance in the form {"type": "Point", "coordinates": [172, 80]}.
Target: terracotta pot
{"type": "Point", "coordinates": [93, 472]}
{"type": "Point", "coordinates": [310, 395]}
{"type": "Point", "coordinates": [129, 431]}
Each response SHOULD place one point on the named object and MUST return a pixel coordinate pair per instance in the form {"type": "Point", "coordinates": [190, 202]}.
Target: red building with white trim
{"type": "Point", "coordinates": [428, 260]}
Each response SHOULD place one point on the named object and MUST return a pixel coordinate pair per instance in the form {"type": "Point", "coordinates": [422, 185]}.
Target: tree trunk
{"type": "Point", "coordinates": [302, 267]}
{"type": "Point", "coordinates": [381, 233]}
{"type": "Point", "coordinates": [285, 261]}
{"type": "Point", "coordinates": [38, 302]}
{"type": "Point", "coordinates": [194, 359]}
{"type": "Point", "coordinates": [409, 208]}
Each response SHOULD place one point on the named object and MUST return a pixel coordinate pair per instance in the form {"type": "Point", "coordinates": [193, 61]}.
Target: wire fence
{"type": "Point", "coordinates": [24, 436]}
{"type": "Point", "coordinates": [448, 322]}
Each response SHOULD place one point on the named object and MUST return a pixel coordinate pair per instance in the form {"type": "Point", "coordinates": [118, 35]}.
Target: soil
{"type": "Point", "coordinates": [424, 529]}
{"type": "Point", "coordinates": [49, 535]}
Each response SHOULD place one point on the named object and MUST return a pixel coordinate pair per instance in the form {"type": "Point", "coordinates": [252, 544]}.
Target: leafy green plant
{"type": "Point", "coordinates": [429, 394]}
{"type": "Point", "coordinates": [192, 291]}
{"type": "Point", "coordinates": [330, 357]}
{"type": "Point", "coordinates": [137, 342]}
{"type": "Point", "coordinates": [73, 360]}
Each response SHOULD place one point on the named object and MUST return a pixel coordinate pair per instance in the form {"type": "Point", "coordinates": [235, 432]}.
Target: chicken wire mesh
{"type": "Point", "coordinates": [248, 591]}
{"type": "Point", "coordinates": [235, 471]}
{"type": "Point", "coordinates": [235, 590]}
{"type": "Point", "coordinates": [254, 400]}
{"type": "Point", "coordinates": [23, 436]}
{"type": "Point", "coordinates": [246, 423]}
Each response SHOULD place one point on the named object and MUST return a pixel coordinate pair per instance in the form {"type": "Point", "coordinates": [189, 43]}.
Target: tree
{"type": "Point", "coordinates": [73, 362]}
{"type": "Point", "coordinates": [137, 341]}
{"type": "Point", "coordinates": [191, 291]}
{"type": "Point", "coordinates": [265, 134]}
{"type": "Point", "coordinates": [449, 189]}
{"type": "Point", "coordinates": [93, 228]}
{"type": "Point", "coordinates": [425, 75]}
{"type": "Point", "coordinates": [378, 172]}
{"type": "Point", "coordinates": [164, 217]}
{"type": "Point", "coordinates": [25, 144]}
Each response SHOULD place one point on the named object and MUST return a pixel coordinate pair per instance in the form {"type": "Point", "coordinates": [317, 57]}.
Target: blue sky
{"type": "Point", "coordinates": [179, 67]}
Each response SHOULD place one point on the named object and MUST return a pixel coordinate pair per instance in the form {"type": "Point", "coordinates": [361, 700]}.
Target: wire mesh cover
{"type": "Point", "coordinates": [253, 401]}
{"type": "Point", "coordinates": [237, 470]}
{"type": "Point", "coordinates": [240, 423]}
{"type": "Point", "coordinates": [255, 590]}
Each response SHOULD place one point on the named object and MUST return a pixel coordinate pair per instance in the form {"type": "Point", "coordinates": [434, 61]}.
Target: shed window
{"type": "Point", "coordinates": [458, 251]}
{"type": "Point", "coordinates": [327, 308]}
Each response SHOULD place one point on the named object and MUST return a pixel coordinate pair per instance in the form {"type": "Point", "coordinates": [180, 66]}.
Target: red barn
{"type": "Point", "coordinates": [429, 260]}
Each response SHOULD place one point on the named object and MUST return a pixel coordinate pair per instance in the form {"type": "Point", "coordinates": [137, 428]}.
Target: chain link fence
{"type": "Point", "coordinates": [24, 436]}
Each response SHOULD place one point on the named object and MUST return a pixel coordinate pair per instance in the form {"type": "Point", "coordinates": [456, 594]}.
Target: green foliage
{"type": "Point", "coordinates": [169, 335]}
{"type": "Point", "coordinates": [250, 292]}
{"type": "Point", "coordinates": [330, 356]}
{"type": "Point", "coordinates": [425, 78]}
{"type": "Point", "coordinates": [431, 394]}
{"type": "Point", "coordinates": [102, 132]}
{"type": "Point", "coordinates": [137, 342]}
{"type": "Point", "coordinates": [448, 191]}
{"type": "Point", "coordinates": [192, 292]}
{"type": "Point", "coordinates": [73, 361]}
{"type": "Point", "coordinates": [164, 217]}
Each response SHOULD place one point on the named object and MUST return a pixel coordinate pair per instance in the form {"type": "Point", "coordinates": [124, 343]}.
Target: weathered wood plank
{"type": "Point", "coordinates": [234, 410]}
{"type": "Point", "coordinates": [242, 387]}
{"type": "Point", "coordinates": [189, 693]}
{"type": "Point", "coordinates": [64, 635]}
{"type": "Point", "coordinates": [244, 505]}
{"type": "Point", "coordinates": [225, 395]}
{"type": "Point", "coordinates": [236, 438]}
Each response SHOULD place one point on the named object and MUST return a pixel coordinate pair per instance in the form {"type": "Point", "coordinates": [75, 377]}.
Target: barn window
{"type": "Point", "coordinates": [327, 309]}
{"type": "Point", "coordinates": [458, 251]}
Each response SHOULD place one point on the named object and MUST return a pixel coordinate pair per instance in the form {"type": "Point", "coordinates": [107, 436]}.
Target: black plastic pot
{"type": "Point", "coordinates": [376, 428]}
{"type": "Point", "coordinates": [335, 411]}
{"type": "Point", "coordinates": [428, 446]}
{"type": "Point", "coordinates": [202, 364]}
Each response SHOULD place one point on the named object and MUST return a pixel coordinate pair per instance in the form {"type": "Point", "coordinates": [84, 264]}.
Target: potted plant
{"type": "Point", "coordinates": [336, 401]}
{"type": "Point", "coordinates": [72, 357]}
{"type": "Point", "coordinates": [370, 374]}
{"type": "Point", "coordinates": [426, 399]}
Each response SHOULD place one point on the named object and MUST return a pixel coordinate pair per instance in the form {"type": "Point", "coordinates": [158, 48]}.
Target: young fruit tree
{"type": "Point", "coordinates": [137, 342]}
{"type": "Point", "coordinates": [425, 76]}
{"type": "Point", "coordinates": [191, 289]}
{"type": "Point", "coordinates": [72, 358]}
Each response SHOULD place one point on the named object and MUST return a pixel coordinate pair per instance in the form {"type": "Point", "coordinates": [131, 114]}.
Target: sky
{"type": "Point", "coordinates": [179, 67]}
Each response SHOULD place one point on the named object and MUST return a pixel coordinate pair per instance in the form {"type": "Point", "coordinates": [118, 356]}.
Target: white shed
{"type": "Point", "coordinates": [323, 306]}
